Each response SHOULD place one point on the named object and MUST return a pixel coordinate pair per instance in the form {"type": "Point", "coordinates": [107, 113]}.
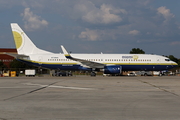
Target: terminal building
{"type": "Point", "coordinates": [6, 59]}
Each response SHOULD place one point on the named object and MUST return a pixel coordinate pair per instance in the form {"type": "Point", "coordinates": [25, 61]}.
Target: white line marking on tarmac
{"type": "Point", "coordinates": [53, 86]}
{"type": "Point", "coordinates": [11, 87]}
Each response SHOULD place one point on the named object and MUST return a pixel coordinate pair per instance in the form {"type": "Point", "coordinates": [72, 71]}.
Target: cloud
{"type": "Point", "coordinates": [134, 32]}
{"type": "Point", "coordinates": [148, 33]}
{"type": "Point", "coordinates": [32, 21]}
{"type": "Point", "coordinates": [144, 2]}
{"type": "Point", "coordinates": [98, 35]}
{"type": "Point", "coordinates": [107, 14]}
{"type": "Point", "coordinates": [175, 43]}
{"type": "Point", "coordinates": [90, 35]}
{"type": "Point", "coordinates": [166, 13]}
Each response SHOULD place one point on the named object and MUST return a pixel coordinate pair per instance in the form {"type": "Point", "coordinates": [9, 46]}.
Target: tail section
{"type": "Point", "coordinates": [23, 44]}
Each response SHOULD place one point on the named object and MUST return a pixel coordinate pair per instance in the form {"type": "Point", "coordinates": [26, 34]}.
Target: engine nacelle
{"type": "Point", "coordinates": [113, 69]}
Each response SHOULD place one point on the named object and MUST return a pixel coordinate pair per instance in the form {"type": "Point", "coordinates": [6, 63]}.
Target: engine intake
{"type": "Point", "coordinates": [113, 69]}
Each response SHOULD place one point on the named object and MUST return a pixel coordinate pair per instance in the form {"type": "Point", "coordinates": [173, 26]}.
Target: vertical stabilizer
{"type": "Point", "coordinates": [23, 44]}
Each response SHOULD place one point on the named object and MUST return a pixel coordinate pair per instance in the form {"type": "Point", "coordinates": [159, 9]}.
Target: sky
{"type": "Point", "coordinates": [95, 26]}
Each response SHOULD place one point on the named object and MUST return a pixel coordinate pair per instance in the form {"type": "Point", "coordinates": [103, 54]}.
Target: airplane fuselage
{"type": "Point", "coordinates": [128, 62]}
{"type": "Point", "coordinates": [109, 63]}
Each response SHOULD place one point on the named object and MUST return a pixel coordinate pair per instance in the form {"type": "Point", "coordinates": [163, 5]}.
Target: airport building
{"type": "Point", "coordinates": [6, 59]}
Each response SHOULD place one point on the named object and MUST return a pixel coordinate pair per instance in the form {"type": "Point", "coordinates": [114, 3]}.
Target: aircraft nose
{"type": "Point", "coordinates": [174, 63]}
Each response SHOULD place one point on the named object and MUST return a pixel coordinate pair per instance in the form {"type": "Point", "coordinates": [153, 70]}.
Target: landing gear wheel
{"type": "Point", "coordinates": [93, 74]}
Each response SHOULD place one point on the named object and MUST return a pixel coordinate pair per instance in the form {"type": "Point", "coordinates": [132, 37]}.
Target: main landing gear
{"type": "Point", "coordinates": [93, 74]}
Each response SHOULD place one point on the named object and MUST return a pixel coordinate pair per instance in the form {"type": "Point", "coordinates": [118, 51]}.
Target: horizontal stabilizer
{"type": "Point", "coordinates": [15, 55]}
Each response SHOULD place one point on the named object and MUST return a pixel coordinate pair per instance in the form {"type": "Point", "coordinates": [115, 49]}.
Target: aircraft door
{"type": "Point", "coordinates": [40, 59]}
{"type": "Point", "coordinates": [158, 61]}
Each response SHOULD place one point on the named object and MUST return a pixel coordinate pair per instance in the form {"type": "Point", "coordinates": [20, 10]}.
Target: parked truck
{"type": "Point", "coordinates": [31, 72]}
{"type": "Point", "coordinates": [144, 73]}
{"type": "Point", "coordinates": [157, 73]}
{"type": "Point", "coordinates": [149, 73]}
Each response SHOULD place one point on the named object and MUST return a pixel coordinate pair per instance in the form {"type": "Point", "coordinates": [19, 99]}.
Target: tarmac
{"type": "Point", "coordinates": [90, 98]}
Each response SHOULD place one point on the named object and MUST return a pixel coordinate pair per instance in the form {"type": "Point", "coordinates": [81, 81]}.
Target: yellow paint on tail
{"type": "Point", "coordinates": [18, 39]}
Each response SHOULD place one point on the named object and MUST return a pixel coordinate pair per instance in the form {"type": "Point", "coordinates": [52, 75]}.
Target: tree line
{"type": "Point", "coordinates": [15, 64]}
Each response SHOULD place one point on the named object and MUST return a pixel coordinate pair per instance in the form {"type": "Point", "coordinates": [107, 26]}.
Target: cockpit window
{"type": "Point", "coordinates": [167, 59]}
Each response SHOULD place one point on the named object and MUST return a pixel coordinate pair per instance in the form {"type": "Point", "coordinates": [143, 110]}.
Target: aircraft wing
{"type": "Point", "coordinates": [15, 55]}
{"type": "Point", "coordinates": [86, 63]}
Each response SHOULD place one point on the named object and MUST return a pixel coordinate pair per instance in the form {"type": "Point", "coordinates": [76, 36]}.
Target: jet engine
{"type": "Point", "coordinates": [113, 69]}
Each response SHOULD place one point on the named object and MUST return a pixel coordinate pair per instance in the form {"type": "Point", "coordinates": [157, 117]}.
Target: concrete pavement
{"type": "Point", "coordinates": [90, 98]}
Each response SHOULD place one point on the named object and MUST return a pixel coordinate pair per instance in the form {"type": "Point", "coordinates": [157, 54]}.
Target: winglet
{"type": "Point", "coordinates": [67, 55]}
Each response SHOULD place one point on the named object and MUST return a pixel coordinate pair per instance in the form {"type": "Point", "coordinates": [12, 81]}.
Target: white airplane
{"type": "Point", "coordinates": [109, 63]}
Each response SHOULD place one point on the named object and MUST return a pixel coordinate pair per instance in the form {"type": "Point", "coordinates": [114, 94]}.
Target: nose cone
{"type": "Point", "coordinates": [174, 64]}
